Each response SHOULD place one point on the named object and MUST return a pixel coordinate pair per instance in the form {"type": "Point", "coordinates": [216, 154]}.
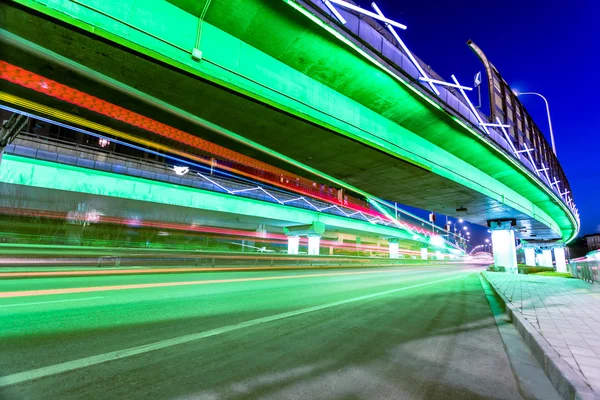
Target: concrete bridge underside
{"type": "Point", "coordinates": [333, 112]}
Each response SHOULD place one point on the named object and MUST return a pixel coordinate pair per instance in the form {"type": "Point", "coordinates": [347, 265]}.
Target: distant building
{"type": "Point", "coordinates": [593, 241]}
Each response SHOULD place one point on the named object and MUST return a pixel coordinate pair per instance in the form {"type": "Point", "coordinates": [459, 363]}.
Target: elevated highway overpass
{"type": "Point", "coordinates": [284, 83]}
{"type": "Point", "coordinates": [53, 188]}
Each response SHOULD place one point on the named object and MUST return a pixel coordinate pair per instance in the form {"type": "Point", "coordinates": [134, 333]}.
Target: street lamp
{"type": "Point", "coordinates": [461, 220]}
{"type": "Point", "coordinates": [548, 112]}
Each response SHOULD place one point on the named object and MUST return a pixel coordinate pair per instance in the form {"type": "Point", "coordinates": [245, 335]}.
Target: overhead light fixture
{"type": "Point", "coordinates": [181, 170]}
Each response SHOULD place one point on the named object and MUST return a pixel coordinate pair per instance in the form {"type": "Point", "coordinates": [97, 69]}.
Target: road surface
{"type": "Point", "coordinates": [401, 333]}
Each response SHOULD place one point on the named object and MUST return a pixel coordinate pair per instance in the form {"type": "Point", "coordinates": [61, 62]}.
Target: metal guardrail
{"type": "Point", "coordinates": [33, 146]}
{"type": "Point", "coordinates": [588, 271]}
{"type": "Point", "coordinates": [55, 150]}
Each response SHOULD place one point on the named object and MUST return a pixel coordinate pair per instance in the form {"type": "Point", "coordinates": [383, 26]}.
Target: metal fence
{"type": "Point", "coordinates": [588, 271]}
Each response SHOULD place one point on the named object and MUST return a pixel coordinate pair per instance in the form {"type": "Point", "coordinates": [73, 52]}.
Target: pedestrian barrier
{"type": "Point", "coordinates": [588, 271]}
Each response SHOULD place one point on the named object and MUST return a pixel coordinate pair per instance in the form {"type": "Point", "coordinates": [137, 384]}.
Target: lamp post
{"type": "Point", "coordinates": [548, 112]}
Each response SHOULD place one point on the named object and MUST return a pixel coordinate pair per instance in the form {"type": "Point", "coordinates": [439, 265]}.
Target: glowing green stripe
{"type": "Point", "coordinates": [44, 174]}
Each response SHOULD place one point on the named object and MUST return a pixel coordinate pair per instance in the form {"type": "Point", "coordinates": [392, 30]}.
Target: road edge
{"type": "Point", "coordinates": [565, 380]}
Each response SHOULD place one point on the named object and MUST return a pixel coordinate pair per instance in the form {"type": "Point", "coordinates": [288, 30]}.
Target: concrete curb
{"type": "Point", "coordinates": [566, 381]}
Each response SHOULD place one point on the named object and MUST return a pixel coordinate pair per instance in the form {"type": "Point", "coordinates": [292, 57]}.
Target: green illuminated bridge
{"type": "Point", "coordinates": [283, 82]}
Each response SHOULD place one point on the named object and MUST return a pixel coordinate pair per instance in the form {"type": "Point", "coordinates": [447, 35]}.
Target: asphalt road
{"type": "Point", "coordinates": [388, 333]}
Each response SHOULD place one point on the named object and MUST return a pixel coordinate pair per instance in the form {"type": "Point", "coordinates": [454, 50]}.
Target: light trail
{"type": "Point", "coordinates": [49, 292]}
{"type": "Point", "coordinates": [28, 79]}
{"type": "Point", "coordinates": [265, 237]}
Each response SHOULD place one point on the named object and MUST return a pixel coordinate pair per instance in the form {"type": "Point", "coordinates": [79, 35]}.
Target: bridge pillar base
{"type": "Point", "coordinates": [314, 245]}
{"type": "Point", "coordinates": [393, 243]}
{"type": "Point", "coordinates": [547, 257]}
{"type": "Point", "coordinates": [559, 256]}
{"type": "Point", "coordinates": [503, 243]}
{"type": "Point", "coordinates": [530, 256]}
{"type": "Point", "coordinates": [293, 244]}
{"type": "Point", "coordinates": [424, 253]}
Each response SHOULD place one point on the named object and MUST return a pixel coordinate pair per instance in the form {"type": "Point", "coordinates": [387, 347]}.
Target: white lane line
{"type": "Point", "coordinates": [52, 301]}
{"type": "Point", "coordinates": [25, 376]}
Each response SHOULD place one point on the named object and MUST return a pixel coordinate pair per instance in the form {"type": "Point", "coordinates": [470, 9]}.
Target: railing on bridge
{"type": "Point", "coordinates": [55, 150]}
{"type": "Point", "coordinates": [372, 37]}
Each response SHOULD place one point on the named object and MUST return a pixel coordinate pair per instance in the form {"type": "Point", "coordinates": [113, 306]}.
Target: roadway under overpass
{"type": "Point", "coordinates": [278, 85]}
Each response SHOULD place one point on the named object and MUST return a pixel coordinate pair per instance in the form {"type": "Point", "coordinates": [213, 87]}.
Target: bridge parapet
{"type": "Point", "coordinates": [530, 150]}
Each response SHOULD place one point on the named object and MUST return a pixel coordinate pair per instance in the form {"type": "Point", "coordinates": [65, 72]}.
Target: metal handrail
{"type": "Point", "coordinates": [162, 172]}
{"type": "Point", "coordinates": [447, 97]}
{"type": "Point", "coordinates": [588, 271]}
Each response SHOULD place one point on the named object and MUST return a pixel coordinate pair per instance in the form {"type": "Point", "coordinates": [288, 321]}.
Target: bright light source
{"type": "Point", "coordinates": [181, 170]}
{"type": "Point", "coordinates": [465, 228]}
{"type": "Point", "coordinates": [461, 220]}
{"type": "Point", "coordinates": [469, 233]}
{"type": "Point", "coordinates": [487, 240]}
{"type": "Point", "coordinates": [102, 142]}
{"type": "Point", "coordinates": [437, 241]}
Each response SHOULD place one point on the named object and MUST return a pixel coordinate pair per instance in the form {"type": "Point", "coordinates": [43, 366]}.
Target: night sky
{"type": "Point", "coordinates": [551, 47]}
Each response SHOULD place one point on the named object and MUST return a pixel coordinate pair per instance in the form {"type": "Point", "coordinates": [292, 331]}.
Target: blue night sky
{"type": "Point", "coordinates": [550, 47]}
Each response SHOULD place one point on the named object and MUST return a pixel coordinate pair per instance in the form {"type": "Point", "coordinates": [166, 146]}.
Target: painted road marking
{"type": "Point", "coordinates": [43, 372]}
{"type": "Point", "coordinates": [45, 292]}
{"type": "Point", "coordinates": [51, 301]}
{"type": "Point", "coordinates": [142, 270]}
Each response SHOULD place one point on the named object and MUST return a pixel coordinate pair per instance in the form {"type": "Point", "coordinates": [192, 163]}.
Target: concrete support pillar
{"type": "Point", "coordinates": [261, 230]}
{"type": "Point", "coordinates": [314, 244]}
{"type": "Point", "coordinates": [530, 256]}
{"type": "Point", "coordinates": [424, 253]}
{"type": "Point", "coordinates": [539, 259]}
{"type": "Point", "coordinates": [293, 244]}
{"type": "Point", "coordinates": [547, 257]}
{"type": "Point", "coordinates": [393, 248]}
{"type": "Point", "coordinates": [439, 255]}
{"type": "Point", "coordinates": [559, 256]}
{"type": "Point", "coordinates": [503, 243]}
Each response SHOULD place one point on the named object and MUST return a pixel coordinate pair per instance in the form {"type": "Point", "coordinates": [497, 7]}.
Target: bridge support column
{"type": "Point", "coordinates": [439, 255]}
{"type": "Point", "coordinates": [539, 259]}
{"type": "Point", "coordinates": [293, 244]}
{"type": "Point", "coordinates": [424, 253]}
{"type": "Point", "coordinates": [547, 257]}
{"type": "Point", "coordinates": [503, 243]}
{"type": "Point", "coordinates": [530, 256]}
{"type": "Point", "coordinates": [393, 243]}
{"type": "Point", "coordinates": [313, 231]}
{"type": "Point", "coordinates": [559, 256]}
{"type": "Point", "coordinates": [314, 245]}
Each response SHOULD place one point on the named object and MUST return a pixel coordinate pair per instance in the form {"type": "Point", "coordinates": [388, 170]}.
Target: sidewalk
{"type": "Point", "coordinates": [560, 320]}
